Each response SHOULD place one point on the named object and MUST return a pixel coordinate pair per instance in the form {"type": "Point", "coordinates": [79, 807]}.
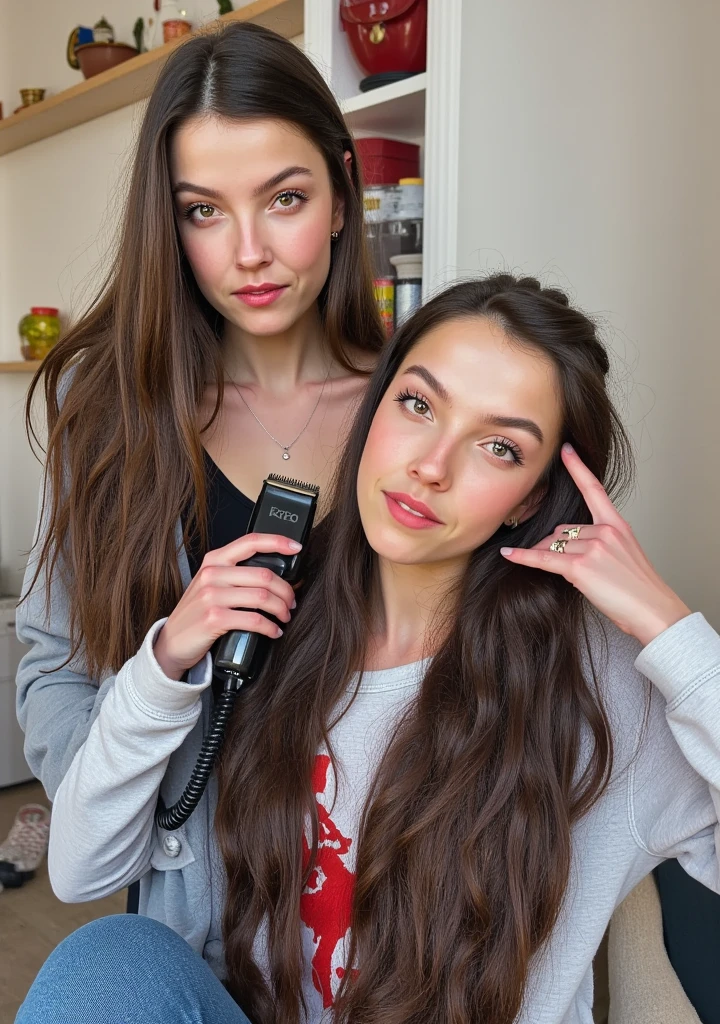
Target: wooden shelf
{"type": "Point", "coordinates": [394, 110]}
{"type": "Point", "coordinates": [128, 82]}
{"type": "Point", "coordinates": [21, 366]}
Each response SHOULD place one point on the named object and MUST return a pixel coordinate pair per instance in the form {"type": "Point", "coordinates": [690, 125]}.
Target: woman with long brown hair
{"type": "Point", "coordinates": [233, 338]}
{"type": "Point", "coordinates": [454, 767]}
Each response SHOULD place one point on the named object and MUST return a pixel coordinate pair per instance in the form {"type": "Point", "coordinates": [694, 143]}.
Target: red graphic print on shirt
{"type": "Point", "coordinates": [326, 901]}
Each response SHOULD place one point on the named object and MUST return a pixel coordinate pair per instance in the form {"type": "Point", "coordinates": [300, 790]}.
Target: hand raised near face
{"type": "Point", "coordinates": [605, 562]}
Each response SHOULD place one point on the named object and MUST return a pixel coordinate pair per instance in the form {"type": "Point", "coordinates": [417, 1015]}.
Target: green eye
{"type": "Point", "coordinates": [499, 449]}
{"type": "Point", "coordinates": [286, 199]}
{"type": "Point", "coordinates": [205, 211]}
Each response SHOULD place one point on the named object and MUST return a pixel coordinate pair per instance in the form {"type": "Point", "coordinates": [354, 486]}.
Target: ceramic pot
{"type": "Point", "coordinates": [97, 57]}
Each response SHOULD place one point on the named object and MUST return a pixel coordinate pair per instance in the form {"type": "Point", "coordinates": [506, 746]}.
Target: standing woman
{"type": "Point", "coordinates": [232, 339]}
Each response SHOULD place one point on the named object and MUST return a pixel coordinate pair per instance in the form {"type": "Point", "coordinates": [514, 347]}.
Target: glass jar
{"type": "Point", "coordinates": [39, 331]}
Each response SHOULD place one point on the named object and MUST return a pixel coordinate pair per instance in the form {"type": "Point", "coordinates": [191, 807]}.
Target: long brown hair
{"type": "Point", "coordinates": [124, 455]}
{"type": "Point", "coordinates": [465, 839]}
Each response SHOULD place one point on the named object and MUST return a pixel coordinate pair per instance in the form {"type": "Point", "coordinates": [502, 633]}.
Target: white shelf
{"type": "Point", "coordinates": [396, 110]}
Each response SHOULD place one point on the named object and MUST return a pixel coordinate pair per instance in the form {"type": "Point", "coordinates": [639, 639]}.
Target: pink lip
{"type": "Point", "coordinates": [406, 518]}
{"type": "Point", "coordinates": [260, 294]}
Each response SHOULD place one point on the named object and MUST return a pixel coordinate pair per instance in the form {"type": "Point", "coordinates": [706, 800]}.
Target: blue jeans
{"type": "Point", "coordinates": [127, 970]}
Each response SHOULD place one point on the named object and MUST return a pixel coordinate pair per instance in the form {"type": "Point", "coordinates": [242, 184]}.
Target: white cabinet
{"type": "Point", "coordinates": [424, 109]}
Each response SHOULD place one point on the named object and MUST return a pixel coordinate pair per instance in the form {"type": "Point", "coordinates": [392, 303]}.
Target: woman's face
{"type": "Point", "coordinates": [458, 444]}
{"type": "Point", "coordinates": [255, 209]}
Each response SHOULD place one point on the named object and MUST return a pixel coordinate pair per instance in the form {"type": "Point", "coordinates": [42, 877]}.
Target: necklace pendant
{"type": "Point", "coordinates": [286, 455]}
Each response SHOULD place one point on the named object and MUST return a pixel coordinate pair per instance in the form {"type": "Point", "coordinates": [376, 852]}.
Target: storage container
{"type": "Point", "coordinates": [384, 161]}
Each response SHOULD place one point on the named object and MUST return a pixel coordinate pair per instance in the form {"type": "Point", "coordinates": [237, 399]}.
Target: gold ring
{"type": "Point", "coordinates": [574, 532]}
{"type": "Point", "coordinates": [559, 546]}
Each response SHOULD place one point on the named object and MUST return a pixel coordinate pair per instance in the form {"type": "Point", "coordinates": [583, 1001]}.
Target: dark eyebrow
{"type": "Point", "coordinates": [187, 186]}
{"type": "Point", "coordinates": [432, 382]}
{"type": "Point", "coordinates": [211, 193]}
{"type": "Point", "coordinates": [492, 420]}
{"type": "Point", "coordinates": [518, 422]}
{"type": "Point", "coordinates": [277, 179]}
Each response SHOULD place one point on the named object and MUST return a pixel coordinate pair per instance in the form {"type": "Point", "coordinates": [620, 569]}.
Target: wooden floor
{"type": "Point", "coordinates": [32, 920]}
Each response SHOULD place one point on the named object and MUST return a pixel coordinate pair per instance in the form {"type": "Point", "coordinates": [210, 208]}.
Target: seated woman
{"type": "Point", "coordinates": [488, 720]}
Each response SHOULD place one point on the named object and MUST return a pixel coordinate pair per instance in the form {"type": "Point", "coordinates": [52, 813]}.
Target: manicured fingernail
{"type": "Point", "coordinates": [506, 551]}
{"type": "Point", "coordinates": [294, 604]}
{"type": "Point", "coordinates": [294, 546]}
{"type": "Point", "coordinates": [567, 447]}
{"type": "Point", "coordinates": [279, 632]}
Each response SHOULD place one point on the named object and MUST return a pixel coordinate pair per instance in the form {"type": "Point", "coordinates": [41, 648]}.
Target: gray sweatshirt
{"type": "Point", "coordinates": [662, 801]}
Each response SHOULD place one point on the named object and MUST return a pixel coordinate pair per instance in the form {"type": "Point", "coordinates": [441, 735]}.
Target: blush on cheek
{"type": "Point", "coordinates": [207, 261]}
{"type": "Point", "coordinates": [305, 248]}
{"type": "Point", "coordinates": [381, 444]}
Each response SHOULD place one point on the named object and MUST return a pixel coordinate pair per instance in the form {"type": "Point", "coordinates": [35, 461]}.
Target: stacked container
{"type": "Point", "coordinates": [393, 201]}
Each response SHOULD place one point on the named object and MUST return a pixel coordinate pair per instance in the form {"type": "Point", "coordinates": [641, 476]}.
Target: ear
{"type": "Point", "coordinates": [339, 204]}
{"type": "Point", "coordinates": [527, 508]}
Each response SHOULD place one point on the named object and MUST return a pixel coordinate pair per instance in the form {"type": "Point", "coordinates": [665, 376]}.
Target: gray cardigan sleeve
{"type": "Point", "coordinates": [56, 701]}
{"type": "Point", "coordinates": [674, 783]}
{"type": "Point", "coordinates": [102, 834]}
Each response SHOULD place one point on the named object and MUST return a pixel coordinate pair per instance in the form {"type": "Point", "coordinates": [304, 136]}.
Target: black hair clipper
{"type": "Point", "coordinates": [286, 507]}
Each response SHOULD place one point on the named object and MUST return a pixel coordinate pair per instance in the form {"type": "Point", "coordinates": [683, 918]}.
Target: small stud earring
{"type": "Point", "coordinates": [513, 522]}
{"type": "Point", "coordinates": [335, 235]}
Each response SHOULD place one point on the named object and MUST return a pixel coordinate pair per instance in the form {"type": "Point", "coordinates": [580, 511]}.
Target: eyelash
{"type": "Point", "coordinates": [406, 396]}
{"type": "Point", "coordinates": [302, 196]}
{"type": "Point", "coordinates": [511, 447]}
{"type": "Point", "coordinates": [189, 210]}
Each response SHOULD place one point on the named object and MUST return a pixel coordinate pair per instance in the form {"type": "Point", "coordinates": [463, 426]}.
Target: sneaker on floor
{"type": "Point", "coordinates": [25, 846]}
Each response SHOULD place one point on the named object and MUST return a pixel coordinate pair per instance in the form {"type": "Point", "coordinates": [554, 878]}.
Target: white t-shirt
{"type": "Point", "coordinates": [359, 740]}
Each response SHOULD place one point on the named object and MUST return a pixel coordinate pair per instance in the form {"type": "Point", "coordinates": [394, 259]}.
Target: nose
{"type": "Point", "coordinates": [251, 246]}
{"type": "Point", "coordinates": [432, 467]}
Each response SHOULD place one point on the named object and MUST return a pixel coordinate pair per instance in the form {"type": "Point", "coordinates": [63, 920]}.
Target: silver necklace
{"type": "Point", "coordinates": [285, 447]}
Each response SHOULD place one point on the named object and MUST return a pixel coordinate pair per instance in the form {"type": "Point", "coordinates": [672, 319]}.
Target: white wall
{"type": "Point", "coordinates": [590, 154]}
{"type": "Point", "coordinates": [58, 202]}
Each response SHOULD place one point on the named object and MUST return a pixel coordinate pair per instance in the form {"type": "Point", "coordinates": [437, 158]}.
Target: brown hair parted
{"type": "Point", "coordinates": [124, 456]}
{"type": "Point", "coordinates": [465, 841]}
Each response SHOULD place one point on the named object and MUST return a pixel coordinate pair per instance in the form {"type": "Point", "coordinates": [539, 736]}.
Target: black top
{"type": "Point", "coordinates": [228, 512]}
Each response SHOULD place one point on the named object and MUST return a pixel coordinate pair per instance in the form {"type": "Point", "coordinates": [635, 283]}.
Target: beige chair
{"type": "Point", "coordinates": [643, 986]}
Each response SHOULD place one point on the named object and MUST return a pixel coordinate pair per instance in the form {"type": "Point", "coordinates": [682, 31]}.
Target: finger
{"type": "Point", "coordinates": [250, 544]}
{"type": "Point", "coordinates": [595, 495]}
{"type": "Point", "coordinates": [248, 598]}
{"type": "Point", "coordinates": [591, 531]}
{"type": "Point", "coordinates": [536, 558]}
{"type": "Point", "coordinates": [212, 576]}
{"type": "Point", "coordinates": [253, 622]}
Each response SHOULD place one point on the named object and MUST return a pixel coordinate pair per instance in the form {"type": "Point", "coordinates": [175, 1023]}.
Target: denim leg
{"type": "Point", "coordinates": [126, 969]}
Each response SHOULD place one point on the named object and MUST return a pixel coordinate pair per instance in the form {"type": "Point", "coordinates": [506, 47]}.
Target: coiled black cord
{"type": "Point", "coordinates": [171, 818]}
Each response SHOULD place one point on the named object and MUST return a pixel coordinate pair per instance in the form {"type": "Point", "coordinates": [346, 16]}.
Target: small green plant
{"type": "Point", "coordinates": [225, 6]}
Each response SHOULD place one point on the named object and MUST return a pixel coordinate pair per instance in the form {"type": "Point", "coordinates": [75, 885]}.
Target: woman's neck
{"type": "Point", "coordinates": [277, 363]}
{"type": "Point", "coordinates": [412, 603]}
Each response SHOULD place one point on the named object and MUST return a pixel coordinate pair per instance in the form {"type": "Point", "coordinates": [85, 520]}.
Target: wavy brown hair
{"type": "Point", "coordinates": [465, 840]}
{"type": "Point", "coordinates": [124, 456]}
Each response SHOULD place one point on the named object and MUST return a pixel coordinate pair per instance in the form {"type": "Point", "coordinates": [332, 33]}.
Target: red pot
{"type": "Point", "coordinates": [386, 35]}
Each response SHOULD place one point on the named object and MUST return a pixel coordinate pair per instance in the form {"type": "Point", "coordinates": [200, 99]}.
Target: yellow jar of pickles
{"type": "Point", "coordinates": [39, 331]}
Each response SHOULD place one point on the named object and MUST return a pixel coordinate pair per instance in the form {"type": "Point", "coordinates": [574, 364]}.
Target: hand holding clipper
{"type": "Point", "coordinates": [286, 508]}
